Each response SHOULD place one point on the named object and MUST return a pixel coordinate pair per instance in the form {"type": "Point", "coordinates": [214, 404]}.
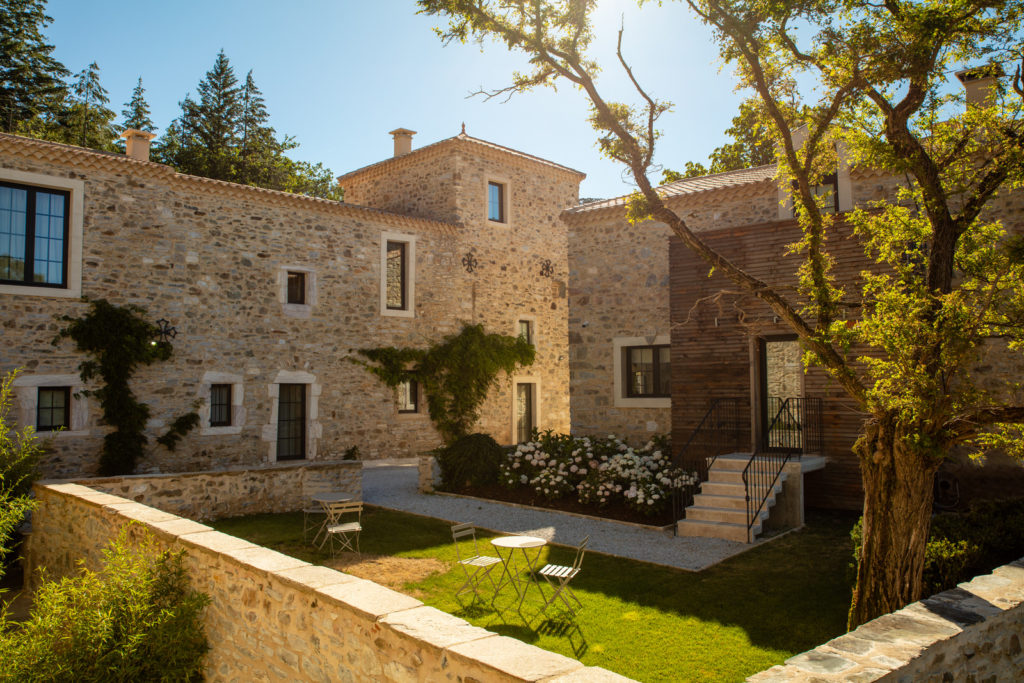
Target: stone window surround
{"type": "Point", "coordinates": [237, 403]}
{"type": "Point", "coordinates": [410, 274]}
{"type": "Point", "coordinates": [844, 186]}
{"type": "Point", "coordinates": [619, 397]}
{"type": "Point", "coordinates": [421, 413]}
{"type": "Point", "coordinates": [76, 188]}
{"type": "Point", "coordinates": [313, 427]}
{"type": "Point", "coordinates": [537, 412]}
{"type": "Point", "coordinates": [296, 310]}
{"type": "Point", "coordinates": [506, 200]}
{"type": "Point", "coordinates": [532, 319]}
{"type": "Point", "coordinates": [26, 394]}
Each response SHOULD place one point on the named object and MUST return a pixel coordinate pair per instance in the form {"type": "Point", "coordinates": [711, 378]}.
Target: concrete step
{"type": "Point", "coordinates": [711, 501]}
{"type": "Point", "coordinates": [732, 461]}
{"type": "Point", "coordinates": [725, 530]}
{"type": "Point", "coordinates": [719, 476]}
{"type": "Point", "coordinates": [731, 515]}
{"type": "Point", "coordinates": [713, 489]}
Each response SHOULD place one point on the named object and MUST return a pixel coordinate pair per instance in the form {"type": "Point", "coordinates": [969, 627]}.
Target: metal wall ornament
{"type": "Point", "coordinates": [547, 269]}
{"type": "Point", "coordinates": [165, 331]}
{"type": "Point", "coordinates": [469, 262]}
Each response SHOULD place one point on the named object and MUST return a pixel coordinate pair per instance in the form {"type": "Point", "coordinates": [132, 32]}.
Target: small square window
{"type": "Point", "coordinates": [296, 287]}
{"type": "Point", "coordinates": [648, 371]}
{"type": "Point", "coordinates": [220, 405]}
{"type": "Point", "coordinates": [496, 202]}
{"type": "Point", "coordinates": [526, 330]}
{"type": "Point", "coordinates": [53, 409]}
{"type": "Point", "coordinates": [408, 397]}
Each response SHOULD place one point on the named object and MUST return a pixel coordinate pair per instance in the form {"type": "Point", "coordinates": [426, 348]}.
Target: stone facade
{"type": "Point", "coordinates": [214, 259]}
{"type": "Point", "coordinates": [273, 617]}
{"type": "Point", "coordinates": [971, 633]}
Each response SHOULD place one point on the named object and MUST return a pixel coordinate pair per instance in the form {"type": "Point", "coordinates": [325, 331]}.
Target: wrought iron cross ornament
{"type": "Point", "coordinates": [469, 262]}
{"type": "Point", "coordinates": [165, 331]}
{"type": "Point", "coordinates": [546, 268]}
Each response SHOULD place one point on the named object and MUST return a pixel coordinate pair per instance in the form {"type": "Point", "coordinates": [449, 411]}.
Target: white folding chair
{"type": "Point", "coordinates": [346, 533]}
{"type": "Point", "coordinates": [558, 577]}
{"type": "Point", "coordinates": [315, 515]}
{"type": "Point", "coordinates": [476, 567]}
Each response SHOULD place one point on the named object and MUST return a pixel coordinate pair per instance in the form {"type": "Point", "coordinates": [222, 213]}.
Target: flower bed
{"type": "Point", "coordinates": [594, 475]}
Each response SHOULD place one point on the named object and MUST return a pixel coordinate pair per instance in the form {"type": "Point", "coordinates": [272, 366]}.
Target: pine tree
{"type": "Point", "coordinates": [31, 80]}
{"type": "Point", "coordinates": [261, 158]}
{"type": "Point", "coordinates": [136, 111]}
{"type": "Point", "coordinates": [92, 121]}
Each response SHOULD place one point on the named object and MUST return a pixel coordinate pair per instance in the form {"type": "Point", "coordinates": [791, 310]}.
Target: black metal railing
{"type": "Point", "coordinates": [795, 428]}
{"type": "Point", "coordinates": [721, 430]}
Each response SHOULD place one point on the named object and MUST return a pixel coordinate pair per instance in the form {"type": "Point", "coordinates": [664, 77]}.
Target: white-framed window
{"type": "Point", "coordinates": [293, 429]}
{"type": "Point", "coordinates": [222, 410]}
{"type": "Point", "coordinates": [640, 371]}
{"type": "Point", "coordinates": [296, 290]}
{"type": "Point", "coordinates": [526, 407]}
{"type": "Point", "coordinates": [52, 404]}
{"type": "Point", "coordinates": [40, 234]}
{"type": "Point", "coordinates": [397, 274]}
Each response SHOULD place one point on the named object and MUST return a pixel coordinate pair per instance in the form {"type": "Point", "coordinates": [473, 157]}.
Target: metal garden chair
{"type": "Point", "coordinates": [559, 576]}
{"type": "Point", "coordinates": [336, 529]}
{"type": "Point", "coordinates": [477, 567]}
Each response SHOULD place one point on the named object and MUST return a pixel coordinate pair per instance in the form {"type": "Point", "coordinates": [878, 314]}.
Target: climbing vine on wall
{"type": "Point", "coordinates": [456, 373]}
{"type": "Point", "coordinates": [117, 340]}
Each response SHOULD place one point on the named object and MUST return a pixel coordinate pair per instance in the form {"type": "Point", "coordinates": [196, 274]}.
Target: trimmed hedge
{"type": "Point", "coordinates": [471, 460]}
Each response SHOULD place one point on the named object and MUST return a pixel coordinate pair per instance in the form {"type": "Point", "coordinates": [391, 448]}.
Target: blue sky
{"type": "Point", "coordinates": [339, 74]}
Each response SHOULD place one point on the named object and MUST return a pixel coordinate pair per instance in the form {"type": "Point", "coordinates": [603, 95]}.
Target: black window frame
{"type": "Point", "coordinates": [220, 405]}
{"type": "Point", "coordinates": [296, 282]}
{"type": "Point", "coordinates": [301, 420]}
{"type": "Point", "coordinates": [830, 180]}
{"type": "Point", "coordinates": [52, 426]}
{"type": "Point", "coordinates": [30, 236]}
{"type": "Point", "coordinates": [413, 395]}
{"type": "Point", "coordinates": [403, 275]}
{"type": "Point", "coordinates": [627, 364]}
{"type": "Point", "coordinates": [525, 432]}
{"type": "Point", "coordinates": [500, 204]}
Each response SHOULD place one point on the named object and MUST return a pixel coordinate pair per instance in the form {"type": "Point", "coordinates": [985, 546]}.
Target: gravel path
{"type": "Point", "coordinates": [395, 488]}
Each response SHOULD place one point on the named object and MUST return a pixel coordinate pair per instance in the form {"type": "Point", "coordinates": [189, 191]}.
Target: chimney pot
{"type": "Point", "coordinates": [136, 143]}
{"type": "Point", "coordinates": [981, 84]}
{"type": "Point", "coordinates": [403, 140]}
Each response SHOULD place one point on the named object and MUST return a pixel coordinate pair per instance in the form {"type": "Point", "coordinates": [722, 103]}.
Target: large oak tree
{"type": "Point", "coordinates": [943, 287]}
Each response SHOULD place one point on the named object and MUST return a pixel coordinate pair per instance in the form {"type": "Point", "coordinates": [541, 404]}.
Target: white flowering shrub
{"type": "Point", "coordinates": [596, 470]}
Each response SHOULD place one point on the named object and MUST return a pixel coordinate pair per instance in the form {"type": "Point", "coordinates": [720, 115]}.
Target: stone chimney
{"type": "Point", "coordinates": [403, 140]}
{"type": "Point", "coordinates": [136, 144]}
{"type": "Point", "coordinates": [981, 84]}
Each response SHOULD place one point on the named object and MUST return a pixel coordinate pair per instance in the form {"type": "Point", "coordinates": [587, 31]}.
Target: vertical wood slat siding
{"type": "Point", "coordinates": [711, 361]}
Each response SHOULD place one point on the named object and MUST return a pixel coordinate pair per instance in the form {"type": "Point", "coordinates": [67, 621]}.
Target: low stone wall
{"type": "Point", "coordinates": [273, 617]}
{"type": "Point", "coordinates": [215, 494]}
{"type": "Point", "coordinates": [971, 633]}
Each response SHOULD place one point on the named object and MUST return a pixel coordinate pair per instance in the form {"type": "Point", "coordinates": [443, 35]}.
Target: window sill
{"type": "Point", "coordinates": [398, 313]}
{"type": "Point", "coordinates": [633, 402]}
{"type": "Point", "coordinates": [220, 431]}
{"type": "Point", "coordinates": [29, 290]}
{"type": "Point", "coordinates": [297, 310]}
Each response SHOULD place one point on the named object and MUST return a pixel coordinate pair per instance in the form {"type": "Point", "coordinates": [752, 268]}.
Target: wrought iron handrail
{"type": "Point", "coordinates": [795, 429]}
{"type": "Point", "coordinates": [718, 432]}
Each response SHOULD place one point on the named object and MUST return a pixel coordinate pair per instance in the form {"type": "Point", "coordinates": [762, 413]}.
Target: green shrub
{"type": "Point", "coordinates": [19, 457]}
{"type": "Point", "coordinates": [473, 459]}
{"type": "Point", "coordinates": [962, 545]}
{"type": "Point", "coordinates": [136, 619]}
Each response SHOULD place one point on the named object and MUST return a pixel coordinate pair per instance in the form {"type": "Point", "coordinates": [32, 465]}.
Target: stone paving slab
{"type": "Point", "coordinates": [394, 487]}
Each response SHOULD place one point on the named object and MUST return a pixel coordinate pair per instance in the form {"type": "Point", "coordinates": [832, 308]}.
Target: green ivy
{"type": "Point", "coordinates": [455, 373]}
{"type": "Point", "coordinates": [118, 339]}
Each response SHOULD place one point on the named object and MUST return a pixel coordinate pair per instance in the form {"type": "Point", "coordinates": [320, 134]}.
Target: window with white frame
{"type": "Point", "coordinates": [40, 234]}
{"type": "Point", "coordinates": [398, 275]}
{"type": "Point", "coordinates": [296, 290]}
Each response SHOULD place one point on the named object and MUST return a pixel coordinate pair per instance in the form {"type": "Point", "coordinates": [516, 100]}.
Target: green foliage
{"type": "Point", "coordinates": [19, 457]}
{"type": "Point", "coordinates": [135, 114]}
{"type": "Point", "coordinates": [118, 339]}
{"type": "Point", "coordinates": [137, 619]}
{"type": "Point", "coordinates": [92, 122]}
{"type": "Point", "coordinates": [455, 373]}
{"type": "Point", "coordinates": [473, 459]}
{"type": "Point", "coordinates": [31, 79]}
{"type": "Point", "coordinates": [351, 453]}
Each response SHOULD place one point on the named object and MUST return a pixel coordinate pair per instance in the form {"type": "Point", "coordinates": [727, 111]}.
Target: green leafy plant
{"type": "Point", "coordinates": [118, 339]}
{"type": "Point", "coordinates": [456, 373]}
{"type": "Point", "coordinates": [351, 453]}
{"type": "Point", "coordinates": [137, 619]}
{"type": "Point", "coordinates": [19, 456]}
{"type": "Point", "coordinates": [473, 459]}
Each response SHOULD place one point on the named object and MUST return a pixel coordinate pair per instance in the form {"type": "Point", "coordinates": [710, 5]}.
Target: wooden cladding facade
{"type": "Point", "coordinates": [715, 333]}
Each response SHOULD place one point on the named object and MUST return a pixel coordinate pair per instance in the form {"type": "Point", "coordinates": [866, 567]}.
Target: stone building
{"type": "Point", "coordinates": [271, 292]}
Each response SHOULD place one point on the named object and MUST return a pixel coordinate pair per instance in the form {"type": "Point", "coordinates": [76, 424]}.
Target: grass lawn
{"type": "Point", "coordinates": [641, 620]}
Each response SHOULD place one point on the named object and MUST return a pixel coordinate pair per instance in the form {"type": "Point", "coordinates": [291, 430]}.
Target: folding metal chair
{"type": "Point", "coordinates": [345, 532]}
{"type": "Point", "coordinates": [477, 567]}
{"type": "Point", "coordinates": [558, 577]}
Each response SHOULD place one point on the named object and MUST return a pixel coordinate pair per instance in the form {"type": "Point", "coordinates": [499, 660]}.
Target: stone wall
{"type": "Point", "coordinates": [971, 633]}
{"type": "Point", "coordinates": [282, 487]}
{"type": "Point", "coordinates": [213, 257]}
{"type": "Point", "coordinates": [273, 617]}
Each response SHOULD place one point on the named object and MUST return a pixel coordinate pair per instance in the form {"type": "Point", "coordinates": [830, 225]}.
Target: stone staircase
{"type": "Point", "coordinates": [720, 509]}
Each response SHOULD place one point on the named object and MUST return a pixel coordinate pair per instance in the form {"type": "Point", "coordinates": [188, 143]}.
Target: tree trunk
{"type": "Point", "coordinates": [898, 493]}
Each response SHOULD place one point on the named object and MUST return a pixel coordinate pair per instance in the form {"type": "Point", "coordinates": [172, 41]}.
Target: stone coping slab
{"type": "Point", "coordinates": [516, 659]}
{"type": "Point", "coordinates": [433, 626]}
{"type": "Point", "coordinates": [370, 599]}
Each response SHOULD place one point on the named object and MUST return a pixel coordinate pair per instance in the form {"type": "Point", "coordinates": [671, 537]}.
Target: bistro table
{"type": "Point", "coordinates": [510, 573]}
{"type": "Point", "coordinates": [323, 499]}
